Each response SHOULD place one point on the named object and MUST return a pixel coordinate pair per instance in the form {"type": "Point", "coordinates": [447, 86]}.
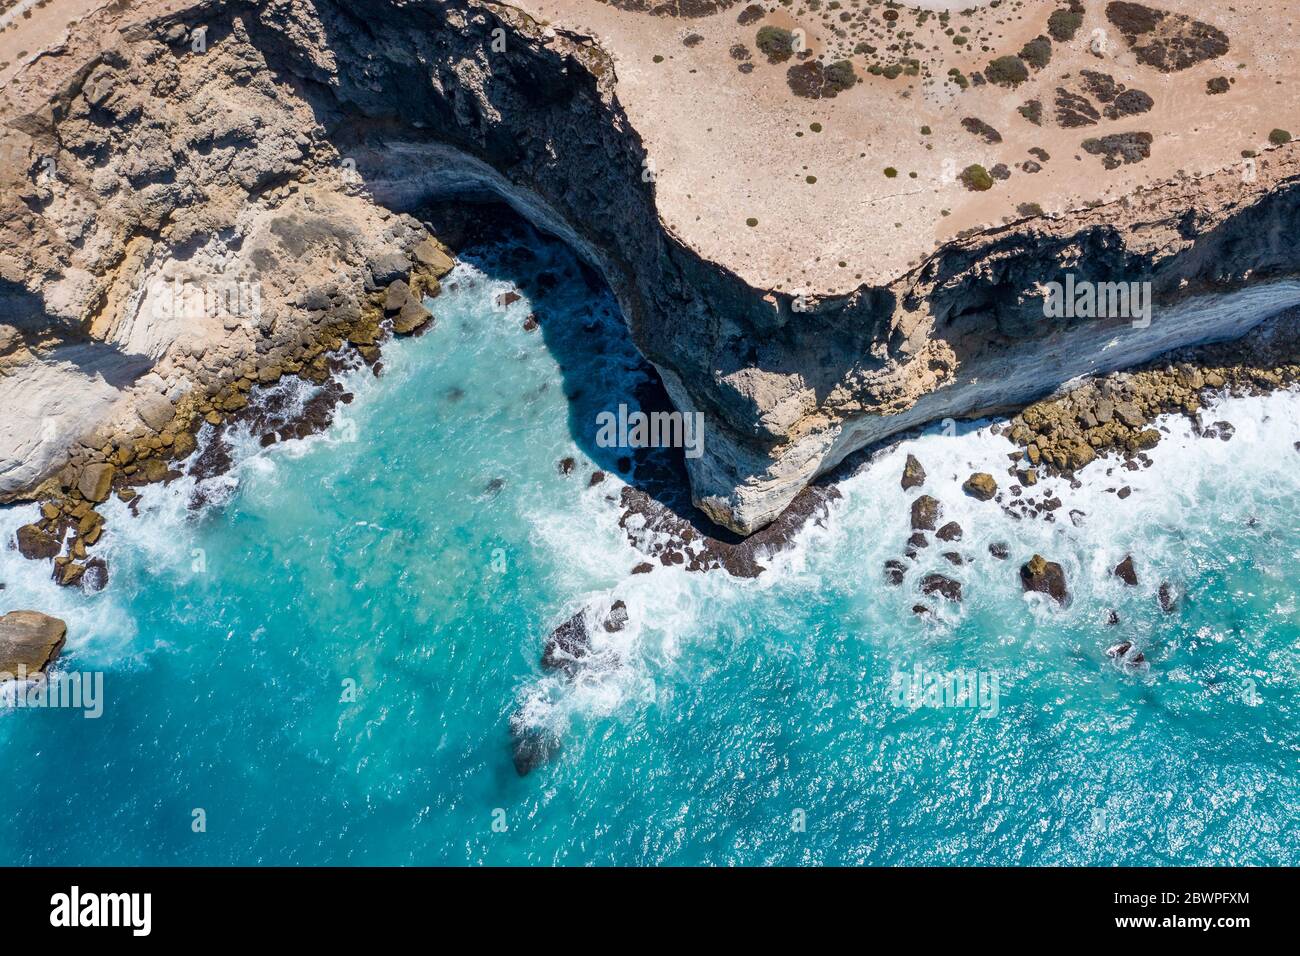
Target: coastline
{"type": "Point", "coordinates": [769, 437]}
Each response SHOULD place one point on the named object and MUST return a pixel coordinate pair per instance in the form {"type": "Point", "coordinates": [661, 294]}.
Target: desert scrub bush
{"type": "Point", "coordinates": [1032, 111]}
{"type": "Point", "coordinates": [1037, 52]}
{"type": "Point", "coordinates": [1064, 24]}
{"type": "Point", "coordinates": [814, 81]}
{"type": "Point", "coordinates": [976, 178]}
{"type": "Point", "coordinates": [1007, 71]}
{"type": "Point", "coordinates": [1279, 137]}
{"type": "Point", "coordinates": [1217, 85]}
{"type": "Point", "coordinates": [775, 43]}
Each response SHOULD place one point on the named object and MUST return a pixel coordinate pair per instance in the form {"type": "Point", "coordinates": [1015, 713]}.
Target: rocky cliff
{"type": "Point", "coordinates": [282, 144]}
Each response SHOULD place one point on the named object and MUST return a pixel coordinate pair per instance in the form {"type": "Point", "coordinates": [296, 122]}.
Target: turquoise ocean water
{"type": "Point", "coordinates": [325, 660]}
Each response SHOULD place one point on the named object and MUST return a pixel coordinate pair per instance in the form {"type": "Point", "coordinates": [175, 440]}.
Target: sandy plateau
{"type": "Point", "coordinates": [727, 146]}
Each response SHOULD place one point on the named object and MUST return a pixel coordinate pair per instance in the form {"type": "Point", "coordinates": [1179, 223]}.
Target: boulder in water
{"type": "Point", "coordinates": [925, 513]}
{"type": "Point", "coordinates": [29, 642]}
{"type": "Point", "coordinates": [981, 486]}
{"type": "Point", "coordinates": [1045, 577]}
{"type": "Point", "coordinates": [913, 474]}
{"type": "Point", "coordinates": [36, 544]}
{"type": "Point", "coordinates": [938, 584]}
{"type": "Point", "coordinates": [1126, 572]}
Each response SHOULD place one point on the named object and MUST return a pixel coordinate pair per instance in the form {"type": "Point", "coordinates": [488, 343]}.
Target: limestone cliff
{"type": "Point", "coordinates": [285, 142]}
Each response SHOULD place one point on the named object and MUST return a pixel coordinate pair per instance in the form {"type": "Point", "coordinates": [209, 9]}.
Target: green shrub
{"type": "Point", "coordinates": [776, 43]}
{"type": "Point", "coordinates": [1007, 71]}
{"type": "Point", "coordinates": [840, 75]}
{"type": "Point", "coordinates": [1037, 52]}
{"type": "Point", "coordinates": [976, 178]}
{"type": "Point", "coordinates": [1064, 24]}
{"type": "Point", "coordinates": [1279, 137]}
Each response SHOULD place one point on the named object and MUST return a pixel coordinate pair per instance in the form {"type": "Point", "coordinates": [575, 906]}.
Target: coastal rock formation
{"type": "Point", "coordinates": [913, 474]}
{"type": "Point", "coordinates": [980, 486]}
{"type": "Point", "coordinates": [29, 642]}
{"type": "Point", "coordinates": [1045, 577]}
{"type": "Point", "coordinates": [270, 155]}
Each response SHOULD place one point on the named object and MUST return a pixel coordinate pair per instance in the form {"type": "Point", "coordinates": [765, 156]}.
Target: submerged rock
{"type": "Point", "coordinates": [1045, 577]}
{"type": "Point", "coordinates": [999, 551]}
{"type": "Point", "coordinates": [567, 644]}
{"type": "Point", "coordinates": [531, 746]}
{"type": "Point", "coordinates": [29, 641]}
{"type": "Point", "coordinates": [617, 617]}
{"type": "Point", "coordinates": [1168, 597]}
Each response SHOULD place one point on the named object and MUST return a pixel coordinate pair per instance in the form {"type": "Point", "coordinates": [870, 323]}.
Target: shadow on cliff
{"type": "Point", "coordinates": [25, 313]}
{"type": "Point", "coordinates": [581, 325]}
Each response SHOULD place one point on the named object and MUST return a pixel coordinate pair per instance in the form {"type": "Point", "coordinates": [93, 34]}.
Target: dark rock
{"type": "Point", "coordinates": [1045, 577]}
{"type": "Point", "coordinates": [918, 540]}
{"type": "Point", "coordinates": [617, 617]}
{"type": "Point", "coordinates": [567, 645]}
{"type": "Point", "coordinates": [1112, 618]}
{"type": "Point", "coordinates": [925, 513]}
{"type": "Point", "coordinates": [952, 557]}
{"type": "Point", "coordinates": [531, 746]}
{"type": "Point", "coordinates": [645, 567]}
{"type": "Point", "coordinates": [913, 474]}
{"type": "Point", "coordinates": [596, 478]}
{"type": "Point", "coordinates": [999, 551]}
{"type": "Point", "coordinates": [894, 571]}
{"type": "Point", "coordinates": [949, 532]}
{"type": "Point", "coordinates": [1126, 572]}
{"type": "Point", "coordinates": [95, 577]}
{"type": "Point", "coordinates": [507, 298]}
{"type": "Point", "coordinates": [938, 584]}
{"type": "Point", "coordinates": [36, 544]}
{"type": "Point", "coordinates": [566, 466]}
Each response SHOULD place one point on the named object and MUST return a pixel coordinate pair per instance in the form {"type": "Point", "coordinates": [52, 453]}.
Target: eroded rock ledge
{"type": "Point", "coordinates": [280, 144]}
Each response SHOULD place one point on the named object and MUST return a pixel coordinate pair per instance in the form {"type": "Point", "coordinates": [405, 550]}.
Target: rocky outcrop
{"type": "Point", "coordinates": [294, 145]}
{"type": "Point", "coordinates": [913, 474]}
{"type": "Point", "coordinates": [29, 642]}
{"type": "Point", "coordinates": [980, 486]}
{"type": "Point", "coordinates": [1045, 577]}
